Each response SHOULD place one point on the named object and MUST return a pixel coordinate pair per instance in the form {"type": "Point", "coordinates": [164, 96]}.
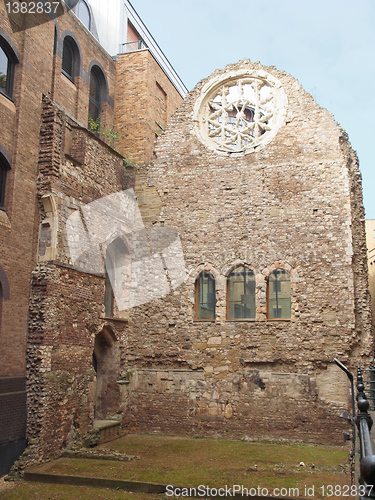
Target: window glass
{"type": "Point", "coordinates": [205, 296]}
{"type": "Point", "coordinates": [241, 294]}
{"type": "Point", "coordinates": [84, 14]}
{"type": "Point", "coordinates": [279, 295]}
{"type": "Point", "coordinates": [4, 62]}
{"type": "Point", "coordinates": [68, 59]}
{"type": "Point", "coordinates": [94, 99]}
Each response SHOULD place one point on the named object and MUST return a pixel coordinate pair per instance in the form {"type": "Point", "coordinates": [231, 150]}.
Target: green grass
{"type": "Point", "coordinates": [193, 462]}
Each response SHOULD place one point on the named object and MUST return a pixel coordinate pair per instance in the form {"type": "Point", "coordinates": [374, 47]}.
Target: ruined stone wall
{"type": "Point", "coordinates": [67, 301]}
{"type": "Point", "coordinates": [293, 203]}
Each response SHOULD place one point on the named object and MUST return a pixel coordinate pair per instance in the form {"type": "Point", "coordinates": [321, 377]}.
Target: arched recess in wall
{"type": "Point", "coordinates": [106, 362]}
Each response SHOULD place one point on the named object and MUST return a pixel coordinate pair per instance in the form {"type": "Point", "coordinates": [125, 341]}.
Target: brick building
{"type": "Point", "coordinates": [83, 67]}
{"type": "Point", "coordinates": [251, 183]}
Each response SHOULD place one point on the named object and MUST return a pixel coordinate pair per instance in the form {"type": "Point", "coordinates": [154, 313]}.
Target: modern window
{"type": "Point", "coordinates": [241, 294]}
{"type": "Point", "coordinates": [7, 64]}
{"type": "Point", "coordinates": [83, 14]}
{"type": "Point", "coordinates": [279, 295]}
{"type": "Point", "coordinates": [95, 97]}
{"type": "Point", "coordinates": [205, 297]}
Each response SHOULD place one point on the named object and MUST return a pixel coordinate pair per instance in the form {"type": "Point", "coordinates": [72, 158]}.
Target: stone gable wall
{"type": "Point", "coordinates": [293, 204]}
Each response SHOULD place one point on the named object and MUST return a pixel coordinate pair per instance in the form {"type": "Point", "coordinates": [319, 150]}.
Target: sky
{"type": "Point", "coordinates": [328, 45]}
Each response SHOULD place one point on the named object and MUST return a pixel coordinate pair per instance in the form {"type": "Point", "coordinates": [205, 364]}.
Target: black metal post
{"type": "Point", "coordinates": [367, 458]}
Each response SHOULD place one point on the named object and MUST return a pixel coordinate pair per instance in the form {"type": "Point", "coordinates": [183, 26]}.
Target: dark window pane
{"type": "Point", "coordinates": [94, 101]}
{"type": "Point", "coordinates": [241, 294]}
{"type": "Point", "coordinates": [205, 296]}
{"type": "Point", "coordinates": [94, 87]}
{"type": "Point", "coordinates": [68, 59]}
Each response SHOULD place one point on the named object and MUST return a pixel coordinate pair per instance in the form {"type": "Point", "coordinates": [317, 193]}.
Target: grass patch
{"type": "Point", "coordinates": [194, 462]}
{"type": "Point", "coordinates": [41, 491]}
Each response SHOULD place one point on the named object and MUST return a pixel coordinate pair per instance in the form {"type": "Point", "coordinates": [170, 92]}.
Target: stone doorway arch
{"type": "Point", "coordinates": [106, 361]}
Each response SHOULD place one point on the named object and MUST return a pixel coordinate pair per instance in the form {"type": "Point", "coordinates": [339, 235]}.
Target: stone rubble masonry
{"type": "Point", "coordinates": [294, 204]}
{"type": "Point", "coordinates": [66, 306]}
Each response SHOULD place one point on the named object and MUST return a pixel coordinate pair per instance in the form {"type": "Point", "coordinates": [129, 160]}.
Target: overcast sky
{"type": "Point", "coordinates": [328, 45]}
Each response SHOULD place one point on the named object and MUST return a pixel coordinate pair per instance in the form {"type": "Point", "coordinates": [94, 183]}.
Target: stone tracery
{"type": "Point", "coordinates": [239, 112]}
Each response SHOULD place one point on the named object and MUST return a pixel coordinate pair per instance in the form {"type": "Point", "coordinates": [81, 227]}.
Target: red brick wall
{"type": "Point", "coordinates": [138, 106]}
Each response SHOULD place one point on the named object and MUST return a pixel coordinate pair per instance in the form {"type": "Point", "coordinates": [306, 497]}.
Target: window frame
{"type": "Point", "coordinates": [67, 47]}
{"type": "Point", "coordinates": [269, 317]}
{"type": "Point", "coordinates": [97, 75]}
{"type": "Point", "coordinates": [69, 44]}
{"type": "Point", "coordinates": [197, 296]}
{"type": "Point", "coordinates": [228, 295]}
{"type": "Point", "coordinates": [88, 12]}
{"type": "Point", "coordinates": [12, 60]}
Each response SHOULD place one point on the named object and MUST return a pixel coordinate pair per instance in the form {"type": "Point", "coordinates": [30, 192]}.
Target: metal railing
{"type": "Point", "coordinates": [368, 375]}
{"type": "Point", "coordinates": [364, 423]}
{"type": "Point", "coordinates": [132, 46]}
{"type": "Point", "coordinates": [362, 420]}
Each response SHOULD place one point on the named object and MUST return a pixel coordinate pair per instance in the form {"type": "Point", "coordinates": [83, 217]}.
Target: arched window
{"type": "Point", "coordinates": [95, 97]}
{"type": "Point", "coordinates": [205, 297]}
{"type": "Point", "coordinates": [241, 294]}
{"type": "Point", "coordinates": [279, 295]}
{"type": "Point", "coordinates": [70, 58]}
{"type": "Point", "coordinates": [8, 60]}
{"type": "Point", "coordinates": [83, 14]}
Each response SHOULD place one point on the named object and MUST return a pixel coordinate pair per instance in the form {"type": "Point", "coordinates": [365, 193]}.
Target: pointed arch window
{"type": "Point", "coordinates": [279, 295]}
{"type": "Point", "coordinates": [241, 294]}
{"type": "Point", "coordinates": [205, 297]}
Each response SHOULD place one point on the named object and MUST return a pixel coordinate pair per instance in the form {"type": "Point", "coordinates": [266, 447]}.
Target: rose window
{"type": "Point", "coordinates": [240, 112]}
